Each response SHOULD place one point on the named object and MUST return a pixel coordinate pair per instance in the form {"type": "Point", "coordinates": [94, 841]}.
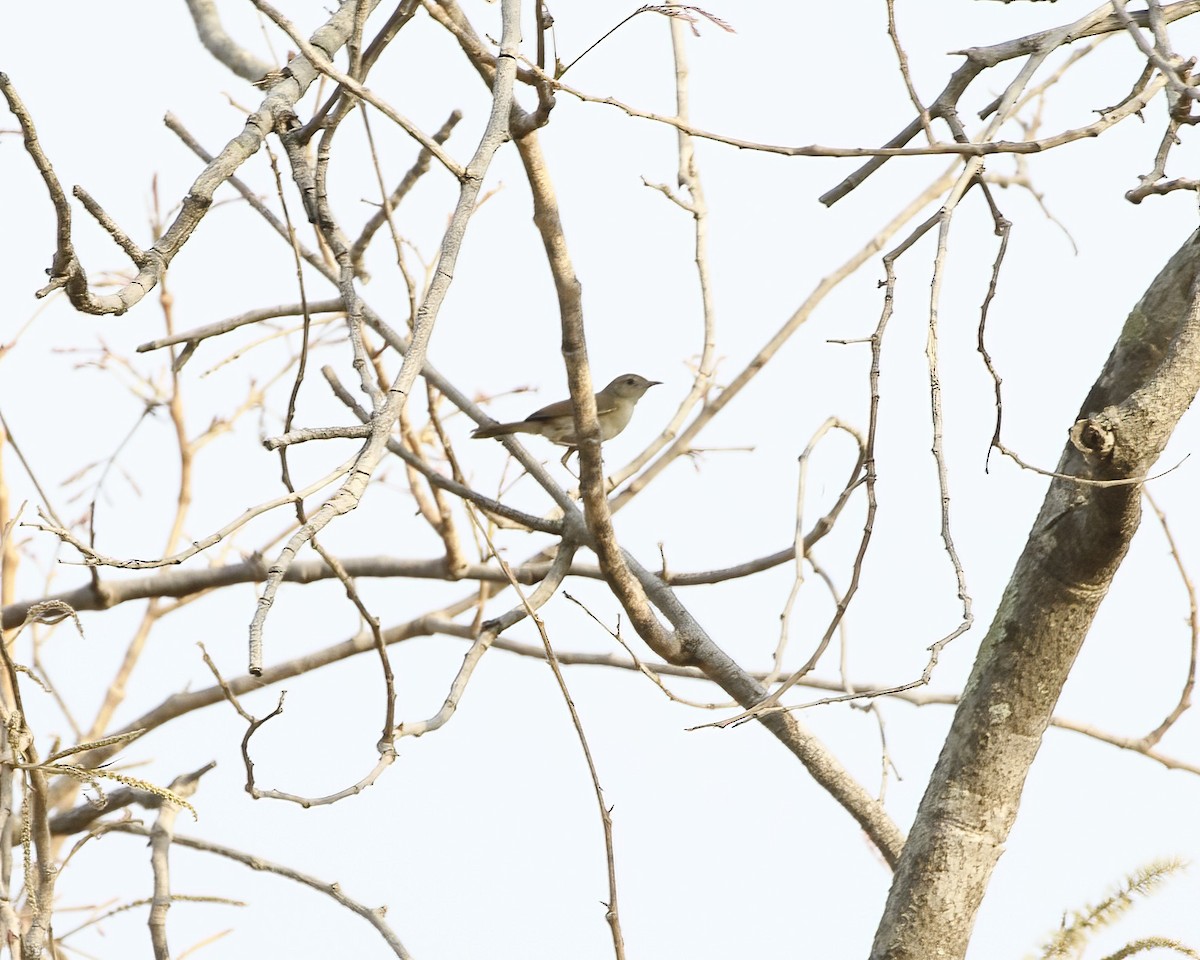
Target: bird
{"type": "Point", "coordinates": [556, 422]}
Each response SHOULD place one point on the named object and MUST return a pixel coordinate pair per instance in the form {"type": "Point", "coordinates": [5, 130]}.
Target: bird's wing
{"type": "Point", "coordinates": [549, 412]}
{"type": "Point", "coordinates": [563, 408]}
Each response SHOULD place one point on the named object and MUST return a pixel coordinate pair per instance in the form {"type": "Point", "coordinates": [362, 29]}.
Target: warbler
{"type": "Point", "coordinates": [556, 422]}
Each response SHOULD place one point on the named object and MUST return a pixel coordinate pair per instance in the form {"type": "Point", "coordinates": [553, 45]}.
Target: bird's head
{"type": "Point", "coordinates": [630, 385]}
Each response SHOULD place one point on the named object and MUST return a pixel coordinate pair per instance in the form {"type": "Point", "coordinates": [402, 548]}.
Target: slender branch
{"type": "Point", "coordinates": [197, 334]}
{"type": "Point", "coordinates": [68, 273]}
{"type": "Point", "coordinates": [93, 557]}
{"type": "Point", "coordinates": [322, 62]}
{"type": "Point", "coordinates": [1185, 696]}
{"type": "Point", "coordinates": [161, 835]}
{"type": "Point", "coordinates": [981, 148]}
{"type": "Point", "coordinates": [222, 46]}
{"type": "Point", "coordinates": [1101, 20]}
{"type": "Point", "coordinates": [419, 168]}
{"type": "Point", "coordinates": [634, 586]}
{"type": "Point", "coordinates": [350, 494]}
{"type": "Point", "coordinates": [906, 75]}
{"type": "Point", "coordinates": [1076, 546]}
{"type": "Point", "coordinates": [333, 890]}
{"type": "Point", "coordinates": [485, 637]}
{"type": "Point", "coordinates": [696, 204]}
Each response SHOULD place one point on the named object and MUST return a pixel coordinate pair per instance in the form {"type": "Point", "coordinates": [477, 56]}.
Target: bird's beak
{"type": "Point", "coordinates": [654, 383]}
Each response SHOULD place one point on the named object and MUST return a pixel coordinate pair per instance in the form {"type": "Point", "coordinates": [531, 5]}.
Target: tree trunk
{"type": "Point", "coordinates": [1076, 545]}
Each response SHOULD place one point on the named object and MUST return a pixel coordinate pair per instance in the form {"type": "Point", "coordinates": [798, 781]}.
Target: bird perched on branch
{"type": "Point", "coordinates": [556, 422]}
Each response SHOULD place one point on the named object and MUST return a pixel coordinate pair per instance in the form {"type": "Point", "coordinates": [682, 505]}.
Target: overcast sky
{"type": "Point", "coordinates": [483, 838]}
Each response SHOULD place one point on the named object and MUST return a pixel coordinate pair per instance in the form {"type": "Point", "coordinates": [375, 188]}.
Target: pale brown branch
{"type": "Point", "coordinates": [95, 558]}
{"type": "Point", "coordinates": [222, 46]}
{"type": "Point", "coordinates": [830, 282]}
{"type": "Point", "coordinates": [190, 582]}
{"type": "Point", "coordinates": [396, 448]}
{"type": "Point", "coordinates": [1036, 47]}
{"type": "Point", "coordinates": [120, 238]}
{"type": "Point", "coordinates": [254, 862]}
{"type": "Point", "coordinates": [305, 435]}
{"type": "Point", "coordinates": [633, 585]}
{"type": "Point", "coordinates": [197, 334]}
{"type": "Point", "coordinates": [688, 177]}
{"type": "Point", "coordinates": [161, 835]}
{"type": "Point", "coordinates": [906, 74]}
{"type": "Point", "coordinates": [587, 427]}
{"type": "Point", "coordinates": [968, 178]}
{"type": "Point", "coordinates": [66, 271]}
{"type": "Point", "coordinates": [387, 756]}
{"type": "Point", "coordinates": [485, 637]}
{"type": "Point", "coordinates": [400, 16]}
{"type": "Point", "coordinates": [964, 149]}
{"type": "Point", "coordinates": [1185, 695]}
{"type": "Point", "coordinates": [320, 59]}
{"type": "Point", "coordinates": [612, 913]}
{"type": "Point", "coordinates": [350, 493]}
{"type": "Point", "coordinates": [799, 545]}
{"type": "Point", "coordinates": [419, 168]}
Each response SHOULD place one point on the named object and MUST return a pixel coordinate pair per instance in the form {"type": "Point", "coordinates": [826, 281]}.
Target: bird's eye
{"type": "Point", "coordinates": [629, 381]}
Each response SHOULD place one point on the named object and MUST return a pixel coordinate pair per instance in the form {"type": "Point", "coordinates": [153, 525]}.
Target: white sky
{"type": "Point", "coordinates": [483, 838]}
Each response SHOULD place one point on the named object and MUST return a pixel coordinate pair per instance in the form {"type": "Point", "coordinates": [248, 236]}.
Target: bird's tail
{"type": "Point", "coordinates": [496, 430]}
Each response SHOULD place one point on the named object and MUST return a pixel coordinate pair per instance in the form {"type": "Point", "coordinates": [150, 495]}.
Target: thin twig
{"type": "Point", "coordinates": [373, 916]}
{"type": "Point", "coordinates": [1189, 684]}
{"type": "Point", "coordinates": [350, 493]}
{"type": "Point", "coordinates": [612, 913]}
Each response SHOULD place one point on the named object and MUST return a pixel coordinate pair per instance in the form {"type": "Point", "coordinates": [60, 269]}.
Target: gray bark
{"type": "Point", "coordinates": [1077, 543]}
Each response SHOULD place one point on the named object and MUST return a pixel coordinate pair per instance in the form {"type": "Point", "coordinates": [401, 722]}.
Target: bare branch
{"type": "Point", "coordinates": [1189, 684]}
{"type": "Point", "coordinates": [320, 59]}
{"type": "Point", "coordinates": [419, 168]}
{"type": "Point", "coordinates": [66, 271]}
{"type": "Point", "coordinates": [161, 835]}
{"type": "Point", "coordinates": [348, 497]}
{"type": "Point", "coordinates": [254, 862]}
{"type": "Point", "coordinates": [94, 558]}
{"type": "Point", "coordinates": [242, 319]}
{"type": "Point", "coordinates": [1078, 541]}
{"type": "Point", "coordinates": [222, 46]}
{"type": "Point", "coordinates": [633, 585]}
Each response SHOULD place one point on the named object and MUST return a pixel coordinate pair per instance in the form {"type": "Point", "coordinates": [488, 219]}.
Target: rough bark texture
{"type": "Point", "coordinates": [1077, 542]}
